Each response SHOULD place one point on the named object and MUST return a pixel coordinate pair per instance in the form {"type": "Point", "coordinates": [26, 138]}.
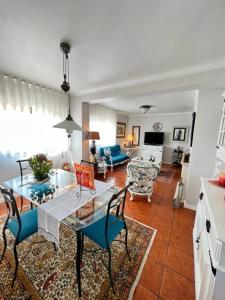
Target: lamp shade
{"type": "Point", "coordinates": [69, 125]}
{"type": "Point", "coordinates": [93, 135]}
{"type": "Point", "coordinates": [145, 108]}
{"type": "Point", "coordinates": [130, 138]}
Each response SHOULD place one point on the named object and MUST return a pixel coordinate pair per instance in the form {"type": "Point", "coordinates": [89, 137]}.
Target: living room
{"type": "Point", "coordinates": [117, 110]}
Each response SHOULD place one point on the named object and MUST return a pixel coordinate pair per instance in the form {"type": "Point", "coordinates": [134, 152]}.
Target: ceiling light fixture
{"type": "Point", "coordinates": [68, 124]}
{"type": "Point", "coordinates": [145, 108]}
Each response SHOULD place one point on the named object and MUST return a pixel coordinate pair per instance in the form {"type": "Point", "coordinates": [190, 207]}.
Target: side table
{"type": "Point", "coordinates": [102, 167]}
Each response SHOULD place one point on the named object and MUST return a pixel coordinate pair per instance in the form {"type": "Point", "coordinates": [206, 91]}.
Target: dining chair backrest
{"type": "Point", "coordinates": [23, 165]}
{"type": "Point", "coordinates": [10, 202]}
{"type": "Point", "coordinates": [88, 163]}
{"type": "Point", "coordinates": [116, 205]}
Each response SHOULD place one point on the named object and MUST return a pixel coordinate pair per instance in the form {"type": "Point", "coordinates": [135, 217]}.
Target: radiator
{"type": "Point", "coordinates": [178, 196]}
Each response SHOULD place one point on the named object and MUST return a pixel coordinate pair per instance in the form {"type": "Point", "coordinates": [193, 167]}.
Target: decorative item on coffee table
{"type": "Point", "coordinates": [40, 166]}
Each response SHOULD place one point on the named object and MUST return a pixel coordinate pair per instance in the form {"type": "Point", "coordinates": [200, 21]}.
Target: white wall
{"type": "Point", "coordinates": [169, 121]}
{"type": "Point", "coordinates": [123, 119]}
{"type": "Point", "coordinates": [203, 154]}
{"type": "Point", "coordinates": [76, 139]}
{"type": "Point", "coordinates": [85, 126]}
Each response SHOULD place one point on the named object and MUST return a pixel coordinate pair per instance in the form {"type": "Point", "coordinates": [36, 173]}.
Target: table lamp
{"type": "Point", "coordinates": [130, 139]}
{"type": "Point", "coordinates": [93, 135]}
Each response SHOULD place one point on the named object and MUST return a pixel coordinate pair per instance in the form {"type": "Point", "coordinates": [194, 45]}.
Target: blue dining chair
{"type": "Point", "coordinates": [104, 231]}
{"type": "Point", "coordinates": [21, 226]}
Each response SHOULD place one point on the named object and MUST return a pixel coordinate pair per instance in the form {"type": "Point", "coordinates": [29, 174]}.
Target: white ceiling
{"type": "Point", "coordinates": [179, 102]}
{"type": "Point", "coordinates": [114, 43]}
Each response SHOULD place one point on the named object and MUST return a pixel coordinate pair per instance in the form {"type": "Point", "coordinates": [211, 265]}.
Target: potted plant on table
{"type": "Point", "coordinates": [40, 166]}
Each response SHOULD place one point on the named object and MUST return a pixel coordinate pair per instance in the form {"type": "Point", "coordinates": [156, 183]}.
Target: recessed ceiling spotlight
{"type": "Point", "coordinates": [145, 108]}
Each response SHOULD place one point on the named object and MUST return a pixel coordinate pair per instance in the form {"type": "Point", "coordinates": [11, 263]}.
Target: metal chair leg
{"type": "Point", "coordinates": [55, 248]}
{"type": "Point", "coordinates": [16, 261]}
{"type": "Point", "coordinates": [82, 247]}
{"type": "Point", "coordinates": [5, 243]}
{"type": "Point", "coordinates": [110, 270]}
{"type": "Point", "coordinates": [21, 203]}
{"type": "Point", "coordinates": [126, 235]}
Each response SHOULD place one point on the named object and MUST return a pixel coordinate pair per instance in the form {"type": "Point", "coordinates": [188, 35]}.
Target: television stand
{"type": "Point", "coordinates": [152, 153]}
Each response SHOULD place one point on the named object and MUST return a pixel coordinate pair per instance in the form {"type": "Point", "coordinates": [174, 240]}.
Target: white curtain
{"type": "Point", "coordinates": [27, 114]}
{"type": "Point", "coordinates": [103, 120]}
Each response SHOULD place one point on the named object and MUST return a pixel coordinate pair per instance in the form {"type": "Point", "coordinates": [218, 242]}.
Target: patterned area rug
{"type": "Point", "coordinates": [45, 274]}
{"type": "Point", "coordinates": [165, 176]}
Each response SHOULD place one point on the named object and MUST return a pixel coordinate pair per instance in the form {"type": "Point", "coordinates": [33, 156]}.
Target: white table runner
{"type": "Point", "coordinates": [55, 210]}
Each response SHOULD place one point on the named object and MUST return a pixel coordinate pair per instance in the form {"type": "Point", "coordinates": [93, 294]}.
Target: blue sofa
{"type": "Point", "coordinates": [115, 157]}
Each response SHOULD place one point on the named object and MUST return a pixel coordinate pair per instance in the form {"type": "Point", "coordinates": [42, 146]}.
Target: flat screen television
{"type": "Point", "coordinates": [154, 138]}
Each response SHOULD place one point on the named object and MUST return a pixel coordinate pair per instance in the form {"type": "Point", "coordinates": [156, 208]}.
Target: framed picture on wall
{"type": "Point", "coordinates": [136, 135]}
{"type": "Point", "coordinates": [180, 133]}
{"type": "Point", "coordinates": [120, 130]}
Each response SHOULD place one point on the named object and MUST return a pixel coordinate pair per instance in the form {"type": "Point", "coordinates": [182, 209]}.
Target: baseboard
{"type": "Point", "coordinates": [192, 207]}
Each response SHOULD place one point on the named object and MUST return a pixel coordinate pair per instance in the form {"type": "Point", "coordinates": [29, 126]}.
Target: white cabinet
{"type": "Point", "coordinates": [209, 243]}
{"type": "Point", "coordinates": [152, 153]}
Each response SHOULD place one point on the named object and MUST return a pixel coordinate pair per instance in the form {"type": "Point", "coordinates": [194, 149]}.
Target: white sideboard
{"type": "Point", "coordinates": [153, 153]}
{"type": "Point", "coordinates": [209, 243]}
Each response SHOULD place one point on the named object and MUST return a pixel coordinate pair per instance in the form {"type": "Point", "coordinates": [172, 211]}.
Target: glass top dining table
{"type": "Point", "coordinates": [61, 183]}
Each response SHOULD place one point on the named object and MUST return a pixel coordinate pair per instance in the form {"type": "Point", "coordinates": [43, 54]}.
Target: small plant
{"type": "Point", "coordinates": [40, 166]}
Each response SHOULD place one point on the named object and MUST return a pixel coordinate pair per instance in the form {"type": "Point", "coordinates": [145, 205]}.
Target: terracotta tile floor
{"type": "Point", "coordinates": [168, 272]}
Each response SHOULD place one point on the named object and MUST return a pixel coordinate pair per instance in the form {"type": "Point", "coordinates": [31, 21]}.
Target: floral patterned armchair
{"type": "Point", "coordinates": [143, 175]}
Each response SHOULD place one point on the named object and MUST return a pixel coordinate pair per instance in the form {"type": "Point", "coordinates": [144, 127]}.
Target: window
{"type": "Point", "coordinates": [27, 114]}
{"type": "Point", "coordinates": [103, 120]}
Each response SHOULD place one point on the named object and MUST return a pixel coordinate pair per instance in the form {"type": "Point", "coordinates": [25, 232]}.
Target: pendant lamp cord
{"type": "Point", "coordinates": [64, 66]}
{"type": "Point", "coordinates": [68, 69]}
{"type": "Point", "coordinates": [69, 102]}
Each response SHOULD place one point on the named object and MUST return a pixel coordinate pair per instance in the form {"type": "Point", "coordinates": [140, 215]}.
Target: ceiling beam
{"type": "Point", "coordinates": [209, 79]}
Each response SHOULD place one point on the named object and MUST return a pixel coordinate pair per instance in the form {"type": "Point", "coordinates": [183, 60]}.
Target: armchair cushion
{"type": "Point", "coordinates": [117, 159]}
{"type": "Point", "coordinates": [143, 175]}
{"type": "Point", "coordinates": [115, 150]}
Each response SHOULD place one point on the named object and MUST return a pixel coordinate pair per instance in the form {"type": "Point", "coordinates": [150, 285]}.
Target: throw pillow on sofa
{"type": "Point", "coordinates": [107, 153]}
